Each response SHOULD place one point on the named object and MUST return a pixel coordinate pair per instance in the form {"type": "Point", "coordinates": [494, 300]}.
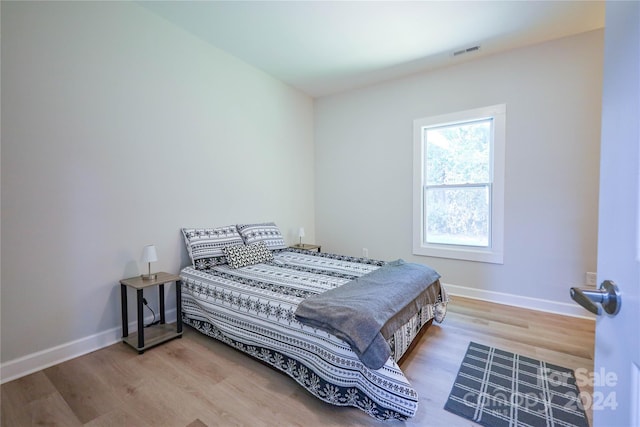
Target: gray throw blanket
{"type": "Point", "coordinates": [356, 311]}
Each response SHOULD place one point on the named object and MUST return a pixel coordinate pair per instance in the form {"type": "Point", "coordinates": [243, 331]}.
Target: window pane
{"type": "Point", "coordinates": [457, 216]}
{"type": "Point", "coordinates": [458, 154]}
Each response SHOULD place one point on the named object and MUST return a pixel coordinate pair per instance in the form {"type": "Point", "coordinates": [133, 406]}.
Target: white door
{"type": "Point", "coordinates": [616, 399]}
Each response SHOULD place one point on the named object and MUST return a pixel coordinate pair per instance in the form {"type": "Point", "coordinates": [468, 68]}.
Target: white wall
{"type": "Point", "coordinates": [553, 96]}
{"type": "Point", "coordinates": [118, 129]}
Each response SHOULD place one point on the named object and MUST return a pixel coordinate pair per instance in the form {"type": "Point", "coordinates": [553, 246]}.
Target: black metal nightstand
{"type": "Point", "coordinates": [158, 333]}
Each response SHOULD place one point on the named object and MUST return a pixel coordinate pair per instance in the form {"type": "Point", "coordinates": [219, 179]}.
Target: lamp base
{"type": "Point", "coordinates": [149, 276]}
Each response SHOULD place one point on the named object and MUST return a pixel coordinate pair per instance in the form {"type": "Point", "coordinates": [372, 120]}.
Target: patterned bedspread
{"type": "Point", "coordinates": [252, 309]}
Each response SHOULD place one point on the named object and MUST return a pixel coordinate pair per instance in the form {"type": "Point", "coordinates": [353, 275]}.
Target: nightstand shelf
{"type": "Point", "coordinates": [306, 247]}
{"type": "Point", "coordinates": [156, 334]}
{"type": "Point", "coordinates": [153, 335]}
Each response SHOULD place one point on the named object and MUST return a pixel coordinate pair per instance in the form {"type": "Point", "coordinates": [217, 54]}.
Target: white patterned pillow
{"type": "Point", "coordinates": [205, 245]}
{"type": "Point", "coordinates": [267, 232]}
{"type": "Point", "coordinates": [244, 255]}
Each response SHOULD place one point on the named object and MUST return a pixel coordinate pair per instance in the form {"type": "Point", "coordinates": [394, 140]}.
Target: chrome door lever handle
{"type": "Point", "coordinates": [608, 295]}
{"type": "Point", "coordinates": [579, 296]}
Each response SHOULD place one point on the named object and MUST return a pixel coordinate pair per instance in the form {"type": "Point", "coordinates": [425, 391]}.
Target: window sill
{"type": "Point", "coordinates": [460, 253]}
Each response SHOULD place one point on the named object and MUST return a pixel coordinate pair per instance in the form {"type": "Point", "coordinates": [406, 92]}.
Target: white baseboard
{"type": "Point", "coordinates": [31, 363]}
{"type": "Point", "coordinates": [566, 309]}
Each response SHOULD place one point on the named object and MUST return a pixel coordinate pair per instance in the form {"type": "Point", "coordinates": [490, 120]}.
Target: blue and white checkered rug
{"type": "Point", "coordinates": [498, 388]}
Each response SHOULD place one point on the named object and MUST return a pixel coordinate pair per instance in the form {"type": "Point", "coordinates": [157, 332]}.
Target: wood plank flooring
{"type": "Point", "coordinates": [196, 381]}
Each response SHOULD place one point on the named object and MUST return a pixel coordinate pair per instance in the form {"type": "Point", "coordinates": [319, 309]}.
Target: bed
{"type": "Point", "coordinates": [244, 288]}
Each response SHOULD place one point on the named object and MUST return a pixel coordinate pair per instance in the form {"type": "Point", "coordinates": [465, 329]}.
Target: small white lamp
{"type": "Point", "coordinates": [149, 255]}
{"type": "Point", "coordinates": [301, 234]}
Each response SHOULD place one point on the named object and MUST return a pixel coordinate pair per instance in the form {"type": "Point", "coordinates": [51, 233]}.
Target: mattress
{"type": "Point", "coordinates": [252, 309]}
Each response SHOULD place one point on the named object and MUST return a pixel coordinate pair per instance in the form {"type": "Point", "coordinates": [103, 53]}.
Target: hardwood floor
{"type": "Point", "coordinates": [196, 381]}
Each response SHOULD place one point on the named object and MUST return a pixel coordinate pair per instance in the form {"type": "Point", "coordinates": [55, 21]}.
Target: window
{"type": "Point", "coordinates": [458, 193]}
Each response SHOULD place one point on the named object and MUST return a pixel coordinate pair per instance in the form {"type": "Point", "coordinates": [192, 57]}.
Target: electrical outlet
{"type": "Point", "coordinates": [365, 252]}
{"type": "Point", "coordinates": [591, 279]}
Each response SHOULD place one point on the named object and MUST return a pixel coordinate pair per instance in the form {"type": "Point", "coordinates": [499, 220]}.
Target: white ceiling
{"type": "Point", "coordinates": [324, 47]}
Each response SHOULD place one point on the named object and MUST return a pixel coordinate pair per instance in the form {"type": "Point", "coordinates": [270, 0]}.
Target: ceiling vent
{"type": "Point", "coordinates": [467, 50]}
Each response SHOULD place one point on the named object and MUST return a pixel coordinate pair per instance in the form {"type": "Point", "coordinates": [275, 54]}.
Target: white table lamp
{"type": "Point", "coordinates": [149, 255]}
{"type": "Point", "coordinates": [301, 234]}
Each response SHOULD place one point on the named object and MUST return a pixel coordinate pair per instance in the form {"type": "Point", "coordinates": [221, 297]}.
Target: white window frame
{"type": "Point", "coordinates": [494, 253]}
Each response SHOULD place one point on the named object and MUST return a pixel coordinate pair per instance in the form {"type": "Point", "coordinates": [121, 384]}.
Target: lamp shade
{"type": "Point", "coordinates": [149, 254]}
{"type": "Point", "coordinates": [301, 232]}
